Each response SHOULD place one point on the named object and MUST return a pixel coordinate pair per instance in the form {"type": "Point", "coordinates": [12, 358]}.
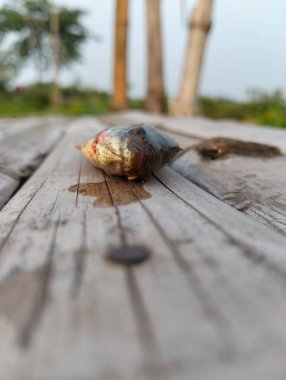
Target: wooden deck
{"type": "Point", "coordinates": [208, 304]}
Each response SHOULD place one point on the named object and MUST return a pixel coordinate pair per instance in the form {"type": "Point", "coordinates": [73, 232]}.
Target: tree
{"type": "Point", "coordinates": [8, 69]}
{"type": "Point", "coordinates": [55, 45]}
{"type": "Point", "coordinates": [28, 24]}
{"type": "Point", "coordinates": [120, 56]}
{"type": "Point", "coordinates": [185, 104]}
{"type": "Point", "coordinates": [155, 98]}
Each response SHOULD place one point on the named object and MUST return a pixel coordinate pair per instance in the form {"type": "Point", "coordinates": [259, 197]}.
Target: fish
{"type": "Point", "coordinates": [131, 151]}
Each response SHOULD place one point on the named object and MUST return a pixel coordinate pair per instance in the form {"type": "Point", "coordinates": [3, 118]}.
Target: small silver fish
{"type": "Point", "coordinates": [132, 151]}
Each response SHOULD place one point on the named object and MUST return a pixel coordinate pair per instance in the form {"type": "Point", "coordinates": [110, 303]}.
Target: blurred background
{"type": "Point", "coordinates": [223, 59]}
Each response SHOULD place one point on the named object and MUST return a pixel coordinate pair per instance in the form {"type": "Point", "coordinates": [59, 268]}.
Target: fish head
{"type": "Point", "coordinates": [106, 151]}
{"type": "Point", "coordinates": [87, 150]}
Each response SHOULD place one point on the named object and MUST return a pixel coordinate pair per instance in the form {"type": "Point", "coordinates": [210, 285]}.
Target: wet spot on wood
{"type": "Point", "coordinates": [128, 255]}
{"type": "Point", "coordinates": [218, 147]}
{"type": "Point", "coordinates": [121, 194]}
{"type": "Point", "coordinates": [96, 190]}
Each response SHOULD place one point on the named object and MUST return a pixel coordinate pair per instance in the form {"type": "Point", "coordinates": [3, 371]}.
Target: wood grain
{"type": "Point", "coordinates": [209, 303]}
{"type": "Point", "coordinates": [22, 149]}
{"type": "Point", "coordinates": [11, 127]}
{"type": "Point", "coordinates": [254, 186]}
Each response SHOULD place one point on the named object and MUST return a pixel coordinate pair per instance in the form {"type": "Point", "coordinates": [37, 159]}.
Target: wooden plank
{"type": "Point", "coordinates": [91, 339]}
{"type": "Point", "coordinates": [7, 187]}
{"type": "Point", "coordinates": [202, 305]}
{"type": "Point", "coordinates": [202, 128]}
{"type": "Point", "coordinates": [255, 186]}
{"type": "Point", "coordinates": [12, 127]}
{"type": "Point", "coordinates": [21, 154]}
{"type": "Point", "coordinates": [7, 125]}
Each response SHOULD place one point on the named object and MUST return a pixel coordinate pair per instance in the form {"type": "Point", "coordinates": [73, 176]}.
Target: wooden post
{"type": "Point", "coordinates": [155, 98]}
{"type": "Point", "coordinates": [186, 102]}
{"type": "Point", "coordinates": [120, 56]}
{"type": "Point", "coordinates": [55, 44]}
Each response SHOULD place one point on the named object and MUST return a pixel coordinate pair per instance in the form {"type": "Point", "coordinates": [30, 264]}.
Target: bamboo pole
{"type": "Point", "coordinates": [120, 56]}
{"type": "Point", "coordinates": [155, 97]}
{"type": "Point", "coordinates": [186, 102]}
{"type": "Point", "coordinates": [55, 44]}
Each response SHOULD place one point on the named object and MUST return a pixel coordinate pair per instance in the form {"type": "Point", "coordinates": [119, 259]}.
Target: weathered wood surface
{"type": "Point", "coordinates": [11, 127]}
{"type": "Point", "coordinates": [208, 304]}
{"type": "Point", "coordinates": [205, 128]}
{"type": "Point", "coordinates": [255, 186]}
{"type": "Point", "coordinates": [23, 145]}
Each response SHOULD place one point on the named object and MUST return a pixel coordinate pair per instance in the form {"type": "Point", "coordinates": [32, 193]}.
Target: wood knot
{"type": "Point", "coordinates": [128, 255]}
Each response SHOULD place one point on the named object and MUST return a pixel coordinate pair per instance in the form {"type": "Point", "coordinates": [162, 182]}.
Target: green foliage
{"type": "Point", "coordinates": [37, 96]}
{"type": "Point", "coordinates": [28, 23]}
{"type": "Point", "coordinates": [8, 68]}
{"type": "Point", "coordinates": [72, 35]}
{"type": "Point", "coordinates": [261, 108]}
{"type": "Point", "coordinates": [35, 100]}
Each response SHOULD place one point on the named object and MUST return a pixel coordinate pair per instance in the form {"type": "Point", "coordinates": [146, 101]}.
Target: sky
{"type": "Point", "coordinates": [246, 48]}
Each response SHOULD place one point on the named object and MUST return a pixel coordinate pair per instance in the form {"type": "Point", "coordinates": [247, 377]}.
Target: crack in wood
{"type": "Point", "coordinates": [262, 215]}
{"type": "Point", "coordinates": [210, 310]}
{"type": "Point", "coordinates": [29, 328]}
{"type": "Point", "coordinates": [79, 258]}
{"type": "Point", "coordinates": [4, 242]}
{"type": "Point", "coordinates": [144, 326]}
{"type": "Point", "coordinates": [248, 252]}
{"type": "Point", "coordinates": [245, 199]}
{"type": "Point", "coordinates": [79, 175]}
{"type": "Point", "coordinates": [145, 329]}
{"type": "Point", "coordinates": [7, 237]}
{"type": "Point", "coordinates": [118, 216]}
{"type": "Point", "coordinates": [153, 363]}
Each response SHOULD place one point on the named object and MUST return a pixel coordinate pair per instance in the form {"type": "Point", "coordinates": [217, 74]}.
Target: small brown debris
{"type": "Point", "coordinates": [220, 146]}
